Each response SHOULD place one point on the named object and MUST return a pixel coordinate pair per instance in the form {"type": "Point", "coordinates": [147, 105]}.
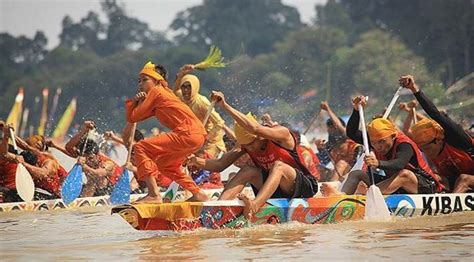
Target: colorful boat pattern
{"type": "Point", "coordinates": [47, 205]}
{"type": "Point", "coordinates": [317, 210]}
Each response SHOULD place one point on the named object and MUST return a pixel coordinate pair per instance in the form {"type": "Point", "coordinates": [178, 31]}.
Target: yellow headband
{"type": "Point", "coordinates": [149, 70]}
{"type": "Point", "coordinates": [426, 130]}
{"type": "Point", "coordinates": [243, 136]}
{"type": "Point", "coordinates": [380, 128]}
{"type": "Point", "coordinates": [32, 140]}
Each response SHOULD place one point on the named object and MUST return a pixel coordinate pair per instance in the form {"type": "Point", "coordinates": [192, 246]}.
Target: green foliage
{"type": "Point", "coordinates": [354, 47]}
{"type": "Point", "coordinates": [253, 25]}
{"type": "Point", "coordinates": [213, 59]}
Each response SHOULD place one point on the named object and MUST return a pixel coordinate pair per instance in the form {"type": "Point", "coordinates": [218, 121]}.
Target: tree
{"type": "Point", "coordinates": [232, 25]}
{"type": "Point", "coordinates": [440, 31]}
{"type": "Point", "coordinates": [372, 67]}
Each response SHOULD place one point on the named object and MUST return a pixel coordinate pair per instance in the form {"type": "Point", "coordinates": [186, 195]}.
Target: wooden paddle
{"type": "Point", "coordinates": [415, 119]}
{"type": "Point", "coordinates": [312, 121]}
{"type": "Point", "coordinates": [375, 206]}
{"type": "Point", "coordinates": [72, 185]}
{"type": "Point", "coordinates": [121, 192]}
{"type": "Point", "coordinates": [23, 181]}
{"type": "Point", "coordinates": [208, 113]}
{"type": "Point", "coordinates": [392, 102]}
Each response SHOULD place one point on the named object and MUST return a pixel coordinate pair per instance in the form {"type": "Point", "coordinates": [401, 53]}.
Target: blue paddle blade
{"type": "Point", "coordinates": [121, 193]}
{"type": "Point", "coordinates": [72, 185]}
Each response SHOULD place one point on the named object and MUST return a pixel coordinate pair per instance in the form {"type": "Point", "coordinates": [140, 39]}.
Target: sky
{"type": "Point", "coordinates": [25, 17]}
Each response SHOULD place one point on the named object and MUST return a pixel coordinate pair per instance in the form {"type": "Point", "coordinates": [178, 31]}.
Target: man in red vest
{"type": "Point", "coordinates": [444, 142]}
{"type": "Point", "coordinates": [279, 170]}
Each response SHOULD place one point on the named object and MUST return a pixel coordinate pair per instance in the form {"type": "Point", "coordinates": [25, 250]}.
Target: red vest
{"type": "Point", "coordinates": [50, 183]}
{"type": "Point", "coordinates": [117, 173]}
{"type": "Point", "coordinates": [7, 173]}
{"type": "Point", "coordinates": [453, 161]}
{"type": "Point", "coordinates": [273, 152]}
{"type": "Point", "coordinates": [421, 163]}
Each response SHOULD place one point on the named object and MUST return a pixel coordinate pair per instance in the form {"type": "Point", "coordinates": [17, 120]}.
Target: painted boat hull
{"type": "Point", "coordinates": [317, 210]}
{"type": "Point", "coordinates": [54, 204]}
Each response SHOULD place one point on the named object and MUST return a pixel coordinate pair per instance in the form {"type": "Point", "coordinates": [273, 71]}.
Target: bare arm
{"type": "Point", "coordinates": [279, 134]}
{"type": "Point", "coordinates": [71, 146]}
{"type": "Point", "coordinates": [60, 148]}
{"type": "Point", "coordinates": [47, 170]}
{"type": "Point", "coordinates": [217, 165]}
{"type": "Point", "coordinates": [337, 123]}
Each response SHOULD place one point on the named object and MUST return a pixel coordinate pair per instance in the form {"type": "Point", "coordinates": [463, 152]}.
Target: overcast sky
{"type": "Point", "coordinates": [25, 17]}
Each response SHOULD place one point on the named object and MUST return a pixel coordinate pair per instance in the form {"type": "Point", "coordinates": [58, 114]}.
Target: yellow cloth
{"type": "Point", "coordinates": [199, 104]}
{"type": "Point", "coordinates": [149, 70]}
{"type": "Point", "coordinates": [426, 130]}
{"type": "Point", "coordinates": [170, 211]}
{"type": "Point", "coordinates": [380, 128]}
{"type": "Point", "coordinates": [32, 140]}
{"type": "Point", "coordinates": [243, 136]}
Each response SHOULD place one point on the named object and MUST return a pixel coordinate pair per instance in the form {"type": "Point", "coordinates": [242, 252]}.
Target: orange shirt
{"type": "Point", "coordinates": [162, 103]}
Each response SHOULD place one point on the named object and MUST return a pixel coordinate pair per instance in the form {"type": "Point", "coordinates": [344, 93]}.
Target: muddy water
{"type": "Point", "coordinates": [93, 234]}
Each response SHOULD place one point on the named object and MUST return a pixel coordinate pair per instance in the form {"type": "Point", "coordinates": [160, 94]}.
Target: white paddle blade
{"type": "Point", "coordinates": [24, 183]}
{"type": "Point", "coordinates": [375, 205]}
{"type": "Point", "coordinates": [171, 193]}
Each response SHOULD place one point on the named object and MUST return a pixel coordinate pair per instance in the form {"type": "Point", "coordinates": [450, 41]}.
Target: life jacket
{"type": "Point", "coordinates": [345, 151]}
{"type": "Point", "coordinates": [274, 152]}
{"type": "Point", "coordinates": [453, 161]}
{"type": "Point", "coordinates": [117, 170]}
{"type": "Point", "coordinates": [422, 167]}
{"type": "Point", "coordinates": [51, 183]}
{"type": "Point", "coordinates": [7, 173]}
{"type": "Point", "coordinates": [313, 166]}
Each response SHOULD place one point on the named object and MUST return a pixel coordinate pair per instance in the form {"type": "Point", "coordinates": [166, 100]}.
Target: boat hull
{"type": "Point", "coordinates": [317, 210]}
{"type": "Point", "coordinates": [54, 204]}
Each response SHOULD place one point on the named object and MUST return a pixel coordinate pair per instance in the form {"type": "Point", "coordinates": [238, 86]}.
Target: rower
{"type": "Point", "coordinates": [400, 159]}
{"type": "Point", "coordinates": [445, 143]}
{"type": "Point", "coordinates": [279, 170]}
{"type": "Point", "coordinates": [186, 87]}
{"type": "Point", "coordinates": [102, 173]}
{"type": "Point", "coordinates": [8, 166]}
{"type": "Point", "coordinates": [164, 154]}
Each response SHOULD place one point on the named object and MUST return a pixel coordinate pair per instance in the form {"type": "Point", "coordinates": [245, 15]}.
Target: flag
{"type": "Point", "coordinates": [15, 114]}
{"type": "Point", "coordinates": [44, 112]}
{"type": "Point", "coordinates": [65, 121]}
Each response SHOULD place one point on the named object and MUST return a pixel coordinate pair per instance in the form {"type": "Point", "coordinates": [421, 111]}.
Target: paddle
{"type": "Point", "coordinates": [375, 206]}
{"type": "Point", "coordinates": [208, 113]}
{"type": "Point", "coordinates": [121, 192]}
{"type": "Point", "coordinates": [171, 193]}
{"type": "Point", "coordinates": [415, 119]}
{"type": "Point", "coordinates": [312, 121]}
{"type": "Point", "coordinates": [392, 103]}
{"type": "Point", "coordinates": [23, 181]}
{"type": "Point", "coordinates": [72, 185]}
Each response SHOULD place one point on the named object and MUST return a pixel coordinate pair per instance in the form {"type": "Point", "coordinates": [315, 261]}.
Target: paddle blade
{"type": "Point", "coordinates": [24, 183]}
{"type": "Point", "coordinates": [72, 185]}
{"type": "Point", "coordinates": [121, 193]}
{"type": "Point", "coordinates": [375, 205]}
{"type": "Point", "coordinates": [171, 193]}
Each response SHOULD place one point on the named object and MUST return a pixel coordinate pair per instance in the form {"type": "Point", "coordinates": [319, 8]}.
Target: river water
{"type": "Point", "coordinates": [94, 234]}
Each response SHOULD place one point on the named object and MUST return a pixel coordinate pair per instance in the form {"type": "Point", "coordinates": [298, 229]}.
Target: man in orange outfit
{"type": "Point", "coordinates": [165, 153]}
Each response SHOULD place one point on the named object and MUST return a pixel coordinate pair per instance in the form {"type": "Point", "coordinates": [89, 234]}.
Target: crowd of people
{"type": "Point", "coordinates": [427, 154]}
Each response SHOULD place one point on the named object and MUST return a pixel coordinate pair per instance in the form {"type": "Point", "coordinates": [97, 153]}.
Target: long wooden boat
{"type": "Point", "coordinates": [316, 210]}
{"type": "Point", "coordinates": [46, 205]}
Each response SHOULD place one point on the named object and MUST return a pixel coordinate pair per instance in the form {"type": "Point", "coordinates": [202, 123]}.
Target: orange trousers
{"type": "Point", "coordinates": [164, 154]}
